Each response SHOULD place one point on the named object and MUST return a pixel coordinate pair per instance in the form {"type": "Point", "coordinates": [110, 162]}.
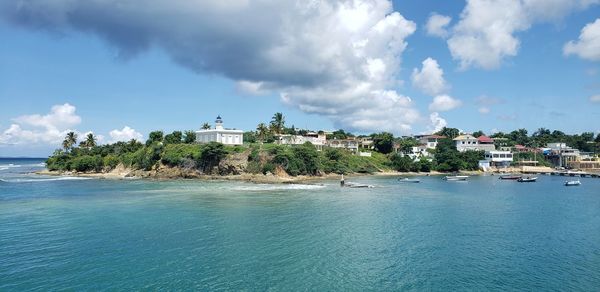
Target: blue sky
{"type": "Point", "coordinates": [65, 66]}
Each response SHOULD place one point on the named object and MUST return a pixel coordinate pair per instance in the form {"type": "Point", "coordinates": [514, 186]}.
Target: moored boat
{"type": "Point", "coordinates": [409, 180]}
{"type": "Point", "coordinates": [527, 179]}
{"type": "Point", "coordinates": [455, 177]}
{"type": "Point", "coordinates": [572, 183]}
{"type": "Point", "coordinates": [358, 186]}
{"type": "Point", "coordinates": [510, 177]}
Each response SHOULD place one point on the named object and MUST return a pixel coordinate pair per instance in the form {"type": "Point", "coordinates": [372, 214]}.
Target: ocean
{"type": "Point", "coordinates": [68, 233]}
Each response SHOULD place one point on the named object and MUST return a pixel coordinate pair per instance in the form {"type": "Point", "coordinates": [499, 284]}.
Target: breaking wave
{"type": "Point", "coordinates": [270, 187]}
{"type": "Point", "coordinates": [26, 180]}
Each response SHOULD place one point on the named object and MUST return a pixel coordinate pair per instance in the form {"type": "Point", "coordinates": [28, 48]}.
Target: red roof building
{"type": "Point", "coordinates": [485, 140]}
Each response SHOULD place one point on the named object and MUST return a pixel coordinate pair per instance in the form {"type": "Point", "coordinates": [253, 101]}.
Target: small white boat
{"type": "Point", "coordinates": [456, 177]}
{"type": "Point", "coordinates": [409, 180]}
{"type": "Point", "coordinates": [527, 179]}
{"type": "Point", "coordinates": [572, 183]}
{"type": "Point", "coordinates": [358, 186]}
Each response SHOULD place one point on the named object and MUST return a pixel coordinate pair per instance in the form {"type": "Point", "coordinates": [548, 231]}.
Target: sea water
{"type": "Point", "coordinates": [68, 233]}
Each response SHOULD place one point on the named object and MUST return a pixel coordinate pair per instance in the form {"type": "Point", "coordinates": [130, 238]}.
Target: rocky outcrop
{"type": "Point", "coordinates": [234, 164]}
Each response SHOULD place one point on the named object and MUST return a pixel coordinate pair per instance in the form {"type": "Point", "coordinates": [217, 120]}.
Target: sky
{"type": "Point", "coordinates": [123, 68]}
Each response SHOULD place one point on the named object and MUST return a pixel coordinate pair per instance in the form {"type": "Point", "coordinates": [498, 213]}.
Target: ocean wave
{"type": "Point", "coordinates": [26, 180]}
{"type": "Point", "coordinates": [273, 187]}
{"type": "Point", "coordinates": [11, 165]}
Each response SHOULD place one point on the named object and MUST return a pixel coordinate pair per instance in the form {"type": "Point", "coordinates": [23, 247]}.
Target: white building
{"type": "Point", "coordinates": [220, 134]}
{"type": "Point", "coordinates": [317, 139]}
{"type": "Point", "coordinates": [499, 158]}
{"type": "Point", "coordinates": [348, 144]}
{"type": "Point", "coordinates": [468, 142]}
{"type": "Point", "coordinates": [430, 141]}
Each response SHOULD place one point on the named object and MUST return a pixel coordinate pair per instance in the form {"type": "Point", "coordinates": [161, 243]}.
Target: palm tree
{"type": "Point", "coordinates": [206, 126]}
{"type": "Point", "coordinates": [277, 123]}
{"type": "Point", "coordinates": [90, 140]}
{"type": "Point", "coordinates": [70, 140]}
{"type": "Point", "coordinates": [262, 131]}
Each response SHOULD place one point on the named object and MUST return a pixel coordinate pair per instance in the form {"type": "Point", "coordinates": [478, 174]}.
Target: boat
{"type": "Point", "coordinates": [510, 177]}
{"type": "Point", "coordinates": [572, 183]}
{"type": "Point", "coordinates": [409, 180]}
{"type": "Point", "coordinates": [343, 183]}
{"type": "Point", "coordinates": [527, 179]}
{"type": "Point", "coordinates": [358, 186]}
{"type": "Point", "coordinates": [456, 177]}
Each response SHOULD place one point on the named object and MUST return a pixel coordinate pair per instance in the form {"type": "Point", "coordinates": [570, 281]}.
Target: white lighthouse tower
{"type": "Point", "coordinates": [220, 134]}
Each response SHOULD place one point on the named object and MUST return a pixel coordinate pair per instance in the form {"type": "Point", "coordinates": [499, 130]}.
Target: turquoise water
{"type": "Point", "coordinates": [484, 234]}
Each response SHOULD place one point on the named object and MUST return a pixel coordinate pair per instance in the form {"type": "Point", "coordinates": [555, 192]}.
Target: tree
{"type": "Point", "coordinates": [70, 140]}
{"type": "Point", "coordinates": [339, 134]}
{"type": "Point", "coordinates": [401, 163]}
{"type": "Point", "coordinates": [277, 123]}
{"type": "Point", "coordinates": [407, 144]}
{"type": "Point", "coordinates": [519, 136]}
{"type": "Point", "coordinates": [446, 156]}
{"type": "Point", "coordinates": [189, 137]}
{"type": "Point", "coordinates": [448, 132]}
{"type": "Point", "coordinates": [206, 126]}
{"type": "Point", "coordinates": [383, 142]}
{"type": "Point", "coordinates": [154, 136]}
{"type": "Point", "coordinates": [90, 141]}
{"type": "Point", "coordinates": [262, 131]}
{"type": "Point", "coordinates": [173, 138]}
{"type": "Point", "coordinates": [211, 155]}
{"type": "Point", "coordinates": [478, 134]}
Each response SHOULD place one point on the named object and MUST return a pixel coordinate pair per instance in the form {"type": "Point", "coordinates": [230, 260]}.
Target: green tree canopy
{"type": "Point", "coordinates": [174, 138]}
{"type": "Point", "coordinates": [154, 136]}
{"type": "Point", "coordinates": [189, 137]}
{"type": "Point", "coordinates": [383, 142]}
{"type": "Point", "coordinates": [277, 123]}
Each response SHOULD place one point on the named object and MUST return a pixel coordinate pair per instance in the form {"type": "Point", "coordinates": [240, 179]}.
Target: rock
{"type": "Point", "coordinates": [234, 164]}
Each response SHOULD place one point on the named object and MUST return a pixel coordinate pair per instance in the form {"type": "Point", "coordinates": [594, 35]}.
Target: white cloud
{"type": "Point", "coordinates": [588, 44]}
{"type": "Point", "coordinates": [250, 88]}
{"type": "Point", "coordinates": [442, 103]}
{"type": "Point", "coordinates": [60, 117]}
{"type": "Point", "coordinates": [339, 59]}
{"type": "Point", "coordinates": [485, 102]}
{"type": "Point", "coordinates": [484, 110]}
{"type": "Point", "coordinates": [125, 134]}
{"type": "Point", "coordinates": [595, 98]}
{"type": "Point", "coordinates": [485, 34]}
{"type": "Point", "coordinates": [41, 129]}
{"type": "Point", "coordinates": [437, 25]}
{"type": "Point", "coordinates": [437, 122]}
{"type": "Point", "coordinates": [430, 79]}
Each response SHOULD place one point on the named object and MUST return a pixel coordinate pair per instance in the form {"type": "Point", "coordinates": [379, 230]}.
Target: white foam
{"type": "Point", "coordinates": [23, 180]}
{"type": "Point", "coordinates": [275, 187]}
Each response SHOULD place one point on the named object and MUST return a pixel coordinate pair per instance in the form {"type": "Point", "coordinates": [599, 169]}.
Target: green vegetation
{"type": "Point", "coordinates": [178, 149]}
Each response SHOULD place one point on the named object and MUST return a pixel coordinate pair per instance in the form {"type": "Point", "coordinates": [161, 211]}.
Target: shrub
{"type": "Point", "coordinates": [211, 155]}
{"type": "Point", "coordinates": [174, 154]}
{"type": "Point", "coordinates": [111, 161]}
{"type": "Point", "coordinates": [88, 163]}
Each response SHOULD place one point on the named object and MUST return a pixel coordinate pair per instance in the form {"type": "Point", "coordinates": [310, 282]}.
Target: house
{"type": "Point", "coordinates": [499, 158]}
{"type": "Point", "coordinates": [468, 142]}
{"type": "Point", "coordinates": [220, 134]}
{"type": "Point", "coordinates": [429, 141]}
{"type": "Point", "coordinates": [348, 144]}
{"type": "Point", "coordinates": [560, 154]}
{"type": "Point", "coordinates": [366, 143]}
{"type": "Point", "coordinates": [317, 139]}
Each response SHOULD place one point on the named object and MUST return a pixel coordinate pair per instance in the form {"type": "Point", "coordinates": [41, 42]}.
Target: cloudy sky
{"type": "Point", "coordinates": [121, 68]}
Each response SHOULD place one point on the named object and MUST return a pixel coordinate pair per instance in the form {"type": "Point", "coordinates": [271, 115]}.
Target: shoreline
{"type": "Point", "coordinates": [176, 174]}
